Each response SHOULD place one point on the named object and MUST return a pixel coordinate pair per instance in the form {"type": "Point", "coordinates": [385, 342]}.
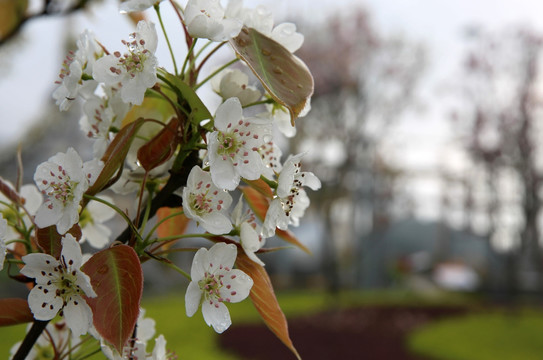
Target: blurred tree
{"type": "Point", "coordinates": [364, 81]}
{"type": "Point", "coordinates": [500, 120]}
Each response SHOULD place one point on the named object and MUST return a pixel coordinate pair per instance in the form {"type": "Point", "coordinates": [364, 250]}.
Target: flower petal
{"type": "Point", "coordinates": [237, 286]}
{"type": "Point", "coordinates": [78, 315]}
{"type": "Point", "coordinates": [217, 316]}
{"type": "Point", "coordinates": [192, 298]}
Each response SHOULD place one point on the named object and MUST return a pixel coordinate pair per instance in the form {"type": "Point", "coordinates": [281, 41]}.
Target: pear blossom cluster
{"type": "Point", "coordinates": [155, 145]}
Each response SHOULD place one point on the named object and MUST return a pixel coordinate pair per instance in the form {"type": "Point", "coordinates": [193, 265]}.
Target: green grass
{"type": "Point", "coordinates": [496, 335]}
{"type": "Point", "coordinates": [192, 339]}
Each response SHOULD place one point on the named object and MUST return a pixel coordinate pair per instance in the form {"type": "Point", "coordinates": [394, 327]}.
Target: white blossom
{"type": "Point", "coordinates": [60, 285]}
{"type": "Point", "coordinates": [233, 147]}
{"type": "Point", "coordinates": [261, 19]}
{"type": "Point", "coordinates": [291, 200]}
{"type": "Point", "coordinates": [250, 238]}
{"type": "Point", "coordinates": [214, 283]}
{"type": "Point", "coordinates": [136, 69]}
{"type": "Point", "coordinates": [205, 19]}
{"type": "Point", "coordinates": [206, 203]}
{"type": "Point", "coordinates": [235, 83]}
{"type": "Point", "coordinates": [55, 336]}
{"type": "Point", "coordinates": [64, 178]}
{"type": "Point", "coordinates": [281, 118]}
{"type": "Point", "coordinates": [145, 332]}
{"type": "Point", "coordinates": [100, 113]}
{"type": "Point", "coordinates": [92, 221]}
{"type": "Point", "coordinates": [32, 201]}
{"type": "Point", "coordinates": [271, 156]}
{"type": "Point", "coordinates": [76, 68]}
{"type": "Point", "coordinates": [136, 5]}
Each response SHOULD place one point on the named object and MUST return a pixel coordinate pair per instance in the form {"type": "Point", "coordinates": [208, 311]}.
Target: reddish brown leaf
{"type": "Point", "coordinates": [264, 300]}
{"type": "Point", "coordinates": [261, 186]}
{"type": "Point", "coordinates": [289, 237]}
{"type": "Point", "coordinates": [10, 193]}
{"type": "Point", "coordinates": [259, 203]}
{"type": "Point", "coordinates": [117, 279]}
{"type": "Point", "coordinates": [161, 147]}
{"type": "Point", "coordinates": [175, 225]}
{"type": "Point", "coordinates": [50, 241]}
{"type": "Point", "coordinates": [14, 311]}
{"type": "Point", "coordinates": [285, 76]}
{"type": "Point", "coordinates": [115, 154]}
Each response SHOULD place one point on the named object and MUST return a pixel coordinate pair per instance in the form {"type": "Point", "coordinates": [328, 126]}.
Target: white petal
{"type": "Point", "coordinates": [78, 315]}
{"type": "Point", "coordinates": [217, 317]}
{"type": "Point", "coordinates": [250, 242]}
{"type": "Point", "coordinates": [223, 173]}
{"type": "Point", "coordinates": [286, 35]}
{"type": "Point", "coordinates": [46, 216]}
{"type": "Point", "coordinates": [102, 73]}
{"type": "Point", "coordinates": [84, 282]}
{"type": "Point", "coordinates": [38, 266]}
{"type": "Point", "coordinates": [311, 181]}
{"type": "Point", "coordinates": [71, 252]}
{"type": "Point", "coordinates": [192, 298]}
{"type": "Point", "coordinates": [237, 286]}
{"type": "Point", "coordinates": [199, 265]}
{"type": "Point", "coordinates": [44, 305]}
{"type": "Point", "coordinates": [216, 223]}
{"type": "Point", "coordinates": [254, 168]}
{"type": "Point", "coordinates": [159, 352]}
{"type": "Point", "coordinates": [222, 254]}
{"type": "Point", "coordinates": [228, 112]}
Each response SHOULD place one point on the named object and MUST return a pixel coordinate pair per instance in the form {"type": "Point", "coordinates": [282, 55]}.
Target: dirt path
{"type": "Point", "coordinates": [370, 333]}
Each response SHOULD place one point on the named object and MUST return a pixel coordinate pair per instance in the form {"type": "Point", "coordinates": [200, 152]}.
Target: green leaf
{"type": "Point", "coordinates": [199, 111]}
{"type": "Point", "coordinates": [264, 300]}
{"type": "Point", "coordinates": [117, 279]}
{"type": "Point", "coordinates": [115, 154]}
{"type": "Point", "coordinates": [14, 311]}
{"type": "Point", "coordinates": [284, 75]}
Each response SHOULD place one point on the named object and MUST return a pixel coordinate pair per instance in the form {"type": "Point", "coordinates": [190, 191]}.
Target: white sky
{"type": "Point", "coordinates": [28, 71]}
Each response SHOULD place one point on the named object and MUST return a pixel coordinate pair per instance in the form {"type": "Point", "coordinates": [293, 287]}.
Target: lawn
{"type": "Point", "coordinates": [183, 333]}
{"type": "Point", "coordinates": [192, 339]}
{"type": "Point", "coordinates": [492, 335]}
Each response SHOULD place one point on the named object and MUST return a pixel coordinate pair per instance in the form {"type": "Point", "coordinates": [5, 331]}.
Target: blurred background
{"type": "Point", "coordinates": [425, 131]}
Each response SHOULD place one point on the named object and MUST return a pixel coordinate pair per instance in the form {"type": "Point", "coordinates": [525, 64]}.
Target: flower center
{"type": "Point", "coordinates": [65, 70]}
{"type": "Point", "coordinates": [229, 145]}
{"type": "Point", "coordinates": [61, 188]}
{"type": "Point", "coordinates": [133, 61]}
{"type": "Point", "coordinates": [211, 285]}
{"type": "Point", "coordinates": [200, 203]}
